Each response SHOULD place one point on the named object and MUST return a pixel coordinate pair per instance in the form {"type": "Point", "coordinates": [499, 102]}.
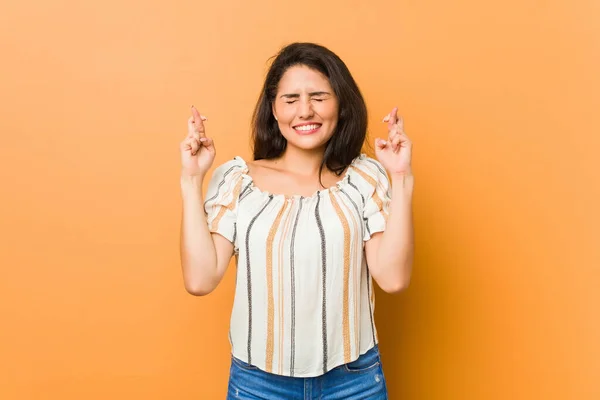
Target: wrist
{"type": "Point", "coordinates": [401, 176]}
{"type": "Point", "coordinates": [191, 181]}
{"type": "Point", "coordinates": [404, 180]}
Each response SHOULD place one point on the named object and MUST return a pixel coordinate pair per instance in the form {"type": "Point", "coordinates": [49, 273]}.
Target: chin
{"type": "Point", "coordinates": [307, 142]}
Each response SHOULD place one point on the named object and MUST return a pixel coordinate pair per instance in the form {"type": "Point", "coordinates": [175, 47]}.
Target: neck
{"type": "Point", "coordinates": [302, 162]}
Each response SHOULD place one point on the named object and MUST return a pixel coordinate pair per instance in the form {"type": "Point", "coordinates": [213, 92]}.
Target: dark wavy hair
{"type": "Point", "coordinates": [351, 130]}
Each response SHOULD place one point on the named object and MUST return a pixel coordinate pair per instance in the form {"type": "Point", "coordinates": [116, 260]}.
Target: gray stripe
{"type": "Point", "coordinates": [363, 204]}
{"type": "Point", "coordinates": [362, 228]}
{"type": "Point", "coordinates": [377, 165]}
{"type": "Point", "coordinates": [234, 233]}
{"type": "Point", "coordinates": [324, 273]}
{"type": "Point", "coordinates": [367, 267]}
{"type": "Point", "coordinates": [388, 193]}
{"type": "Point", "coordinates": [369, 300]}
{"type": "Point", "coordinates": [221, 184]}
{"type": "Point", "coordinates": [358, 191]}
{"type": "Point", "coordinates": [245, 192]}
{"type": "Point", "coordinates": [249, 279]}
{"type": "Point", "coordinates": [293, 290]}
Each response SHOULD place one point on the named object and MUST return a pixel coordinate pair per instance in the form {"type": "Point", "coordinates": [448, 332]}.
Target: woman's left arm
{"type": "Point", "coordinates": [390, 253]}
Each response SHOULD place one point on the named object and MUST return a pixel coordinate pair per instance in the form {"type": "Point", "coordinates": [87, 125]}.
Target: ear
{"type": "Point", "coordinates": [273, 111]}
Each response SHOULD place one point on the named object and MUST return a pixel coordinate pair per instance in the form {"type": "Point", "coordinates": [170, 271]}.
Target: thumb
{"type": "Point", "coordinates": [380, 144]}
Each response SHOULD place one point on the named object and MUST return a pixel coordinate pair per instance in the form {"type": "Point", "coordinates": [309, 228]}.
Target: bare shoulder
{"type": "Point", "coordinates": [262, 167]}
{"type": "Point", "coordinates": [270, 177]}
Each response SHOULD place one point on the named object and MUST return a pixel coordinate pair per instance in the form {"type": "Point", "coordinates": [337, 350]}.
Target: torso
{"type": "Point", "coordinates": [304, 299]}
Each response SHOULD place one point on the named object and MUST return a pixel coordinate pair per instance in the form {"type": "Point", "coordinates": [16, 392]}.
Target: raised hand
{"type": "Point", "coordinates": [197, 151]}
{"type": "Point", "coordinates": [395, 153]}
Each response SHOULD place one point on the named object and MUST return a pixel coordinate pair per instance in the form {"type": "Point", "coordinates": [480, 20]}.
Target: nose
{"type": "Point", "coordinates": [305, 110]}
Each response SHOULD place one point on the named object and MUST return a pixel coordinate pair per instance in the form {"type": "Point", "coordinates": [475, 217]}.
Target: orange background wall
{"type": "Point", "coordinates": [501, 100]}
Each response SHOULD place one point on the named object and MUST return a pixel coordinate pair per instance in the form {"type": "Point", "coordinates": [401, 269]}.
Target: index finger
{"type": "Point", "coordinates": [198, 121]}
{"type": "Point", "coordinates": [401, 124]}
{"type": "Point", "coordinates": [393, 118]}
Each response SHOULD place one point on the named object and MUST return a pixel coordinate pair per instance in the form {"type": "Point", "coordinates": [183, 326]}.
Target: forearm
{"type": "Point", "coordinates": [198, 254]}
{"type": "Point", "coordinates": [396, 250]}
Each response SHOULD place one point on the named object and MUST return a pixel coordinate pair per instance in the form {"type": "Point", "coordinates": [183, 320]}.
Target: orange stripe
{"type": "Point", "coordinates": [270, 301]}
{"type": "Point", "coordinates": [281, 305]}
{"type": "Point", "coordinates": [230, 206]}
{"type": "Point", "coordinates": [215, 223]}
{"type": "Point", "coordinates": [354, 278]}
{"type": "Point", "coordinates": [375, 185]}
{"type": "Point", "coordinates": [345, 307]}
{"type": "Point", "coordinates": [378, 200]}
{"type": "Point", "coordinates": [366, 176]}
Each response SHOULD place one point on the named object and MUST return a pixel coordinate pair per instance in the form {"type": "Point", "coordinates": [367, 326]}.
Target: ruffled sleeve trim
{"type": "Point", "coordinates": [222, 197]}
{"type": "Point", "coordinates": [372, 181]}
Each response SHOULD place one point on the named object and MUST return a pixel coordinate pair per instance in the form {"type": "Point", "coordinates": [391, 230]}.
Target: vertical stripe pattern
{"type": "Point", "coordinates": [358, 230]}
{"type": "Point", "coordinates": [304, 300]}
{"type": "Point", "coordinates": [221, 183]}
{"type": "Point", "coordinates": [346, 284]}
{"type": "Point", "coordinates": [270, 300]}
{"type": "Point", "coordinates": [249, 278]}
{"type": "Point", "coordinates": [282, 318]}
{"type": "Point", "coordinates": [324, 278]}
{"type": "Point", "coordinates": [293, 291]}
{"type": "Point", "coordinates": [370, 299]}
{"type": "Point", "coordinates": [228, 207]}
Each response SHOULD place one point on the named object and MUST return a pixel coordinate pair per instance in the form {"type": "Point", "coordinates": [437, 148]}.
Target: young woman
{"type": "Point", "coordinates": [312, 222]}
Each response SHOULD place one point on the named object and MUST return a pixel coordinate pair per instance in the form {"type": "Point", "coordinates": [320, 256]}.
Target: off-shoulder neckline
{"type": "Point", "coordinates": [337, 186]}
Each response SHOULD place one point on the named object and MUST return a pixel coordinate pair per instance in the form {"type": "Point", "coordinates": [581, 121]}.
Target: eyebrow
{"type": "Point", "coordinates": [296, 95]}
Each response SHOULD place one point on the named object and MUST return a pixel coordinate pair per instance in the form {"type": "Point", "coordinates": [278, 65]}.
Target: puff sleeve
{"type": "Point", "coordinates": [377, 198]}
{"type": "Point", "coordinates": [222, 198]}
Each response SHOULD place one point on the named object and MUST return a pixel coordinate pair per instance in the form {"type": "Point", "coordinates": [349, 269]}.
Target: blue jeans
{"type": "Point", "coordinates": [360, 379]}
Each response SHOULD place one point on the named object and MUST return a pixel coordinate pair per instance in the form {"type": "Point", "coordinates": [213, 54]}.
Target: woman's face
{"type": "Point", "coordinates": [306, 108]}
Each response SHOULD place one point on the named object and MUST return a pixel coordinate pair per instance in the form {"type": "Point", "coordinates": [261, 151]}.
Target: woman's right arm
{"type": "Point", "coordinates": [204, 255]}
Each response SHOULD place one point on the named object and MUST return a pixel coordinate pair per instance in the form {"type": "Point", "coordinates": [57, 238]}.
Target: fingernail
{"type": "Point", "coordinates": [203, 139]}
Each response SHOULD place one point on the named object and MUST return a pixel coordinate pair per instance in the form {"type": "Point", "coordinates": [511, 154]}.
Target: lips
{"type": "Point", "coordinates": [305, 129]}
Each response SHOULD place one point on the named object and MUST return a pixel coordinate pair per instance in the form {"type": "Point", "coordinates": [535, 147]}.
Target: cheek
{"type": "Point", "coordinates": [286, 115]}
{"type": "Point", "coordinates": [330, 111]}
{"type": "Point", "coordinates": [288, 118]}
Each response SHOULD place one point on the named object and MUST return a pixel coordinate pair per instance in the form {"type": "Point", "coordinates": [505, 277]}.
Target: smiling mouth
{"type": "Point", "coordinates": [304, 129]}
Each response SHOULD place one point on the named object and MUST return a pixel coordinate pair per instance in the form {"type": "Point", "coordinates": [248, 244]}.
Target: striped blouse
{"type": "Point", "coordinates": [304, 298]}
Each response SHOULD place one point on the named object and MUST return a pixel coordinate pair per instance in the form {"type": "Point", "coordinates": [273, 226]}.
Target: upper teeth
{"type": "Point", "coordinates": [307, 127]}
